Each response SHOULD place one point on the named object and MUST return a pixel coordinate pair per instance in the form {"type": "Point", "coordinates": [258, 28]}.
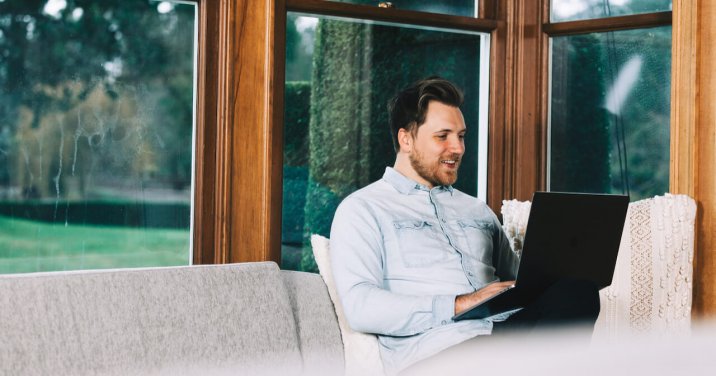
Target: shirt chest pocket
{"type": "Point", "coordinates": [476, 239]}
{"type": "Point", "coordinates": [420, 243]}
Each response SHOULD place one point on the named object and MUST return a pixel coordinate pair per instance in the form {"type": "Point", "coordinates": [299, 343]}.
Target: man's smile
{"type": "Point", "coordinates": [450, 163]}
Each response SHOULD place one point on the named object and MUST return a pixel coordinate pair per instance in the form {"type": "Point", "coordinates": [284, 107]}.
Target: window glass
{"type": "Point", "coordinates": [339, 78]}
{"type": "Point", "coordinates": [467, 8]}
{"type": "Point", "coordinates": [96, 133]}
{"type": "Point", "coordinates": [609, 115]}
{"type": "Point", "coordinates": [572, 10]}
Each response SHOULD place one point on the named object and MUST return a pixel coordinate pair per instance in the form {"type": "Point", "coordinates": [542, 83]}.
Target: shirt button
{"type": "Point", "coordinates": [469, 273]}
{"type": "Point", "coordinates": [443, 220]}
{"type": "Point", "coordinates": [444, 322]}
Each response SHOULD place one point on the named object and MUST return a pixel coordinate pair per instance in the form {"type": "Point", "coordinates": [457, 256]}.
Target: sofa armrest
{"type": "Point", "coordinates": [316, 323]}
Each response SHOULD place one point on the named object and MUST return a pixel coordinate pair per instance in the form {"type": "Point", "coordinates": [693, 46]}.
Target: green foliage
{"type": "Point", "coordinates": [295, 183]}
{"type": "Point", "coordinates": [41, 50]}
{"type": "Point", "coordinates": [298, 52]}
{"type": "Point", "coordinates": [323, 202]}
{"type": "Point", "coordinates": [646, 114]}
{"type": "Point", "coordinates": [295, 171]}
{"type": "Point", "coordinates": [96, 101]}
{"type": "Point", "coordinates": [588, 142]}
{"type": "Point", "coordinates": [296, 120]}
{"type": "Point", "coordinates": [51, 63]}
{"type": "Point", "coordinates": [60, 247]}
{"type": "Point", "coordinates": [580, 129]}
{"type": "Point", "coordinates": [120, 213]}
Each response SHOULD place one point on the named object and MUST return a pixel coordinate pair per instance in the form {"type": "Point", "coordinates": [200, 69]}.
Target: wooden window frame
{"type": "Point", "coordinates": [206, 170]}
{"type": "Point", "coordinates": [391, 15]}
{"type": "Point", "coordinates": [636, 21]}
{"type": "Point", "coordinates": [238, 183]}
{"type": "Point", "coordinates": [693, 143]}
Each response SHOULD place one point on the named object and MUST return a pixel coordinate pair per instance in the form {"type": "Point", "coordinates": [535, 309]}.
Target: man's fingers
{"type": "Point", "coordinates": [501, 285]}
{"type": "Point", "coordinates": [465, 301]}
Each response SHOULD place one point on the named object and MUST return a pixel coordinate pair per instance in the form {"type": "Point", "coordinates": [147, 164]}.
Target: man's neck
{"type": "Point", "coordinates": [405, 168]}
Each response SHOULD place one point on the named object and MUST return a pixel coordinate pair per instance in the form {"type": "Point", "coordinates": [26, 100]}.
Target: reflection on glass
{"type": "Point", "coordinates": [572, 10]}
{"type": "Point", "coordinates": [340, 76]}
{"type": "Point", "coordinates": [609, 115]}
{"type": "Point", "coordinates": [96, 134]}
{"type": "Point", "coordinates": [467, 8]}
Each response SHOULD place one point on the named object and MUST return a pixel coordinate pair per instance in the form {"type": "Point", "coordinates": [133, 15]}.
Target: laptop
{"type": "Point", "coordinates": [568, 235]}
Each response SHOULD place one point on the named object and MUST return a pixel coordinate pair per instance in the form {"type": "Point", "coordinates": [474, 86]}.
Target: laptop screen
{"type": "Point", "coordinates": [572, 235]}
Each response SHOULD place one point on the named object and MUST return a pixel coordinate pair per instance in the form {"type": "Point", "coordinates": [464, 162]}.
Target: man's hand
{"type": "Point", "coordinates": [463, 302]}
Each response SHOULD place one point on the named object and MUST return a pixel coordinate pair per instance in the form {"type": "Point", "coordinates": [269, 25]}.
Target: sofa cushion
{"type": "Point", "coordinates": [318, 334]}
{"type": "Point", "coordinates": [181, 320]}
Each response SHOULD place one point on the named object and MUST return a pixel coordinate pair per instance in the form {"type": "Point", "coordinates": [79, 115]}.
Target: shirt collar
{"type": "Point", "coordinates": [406, 185]}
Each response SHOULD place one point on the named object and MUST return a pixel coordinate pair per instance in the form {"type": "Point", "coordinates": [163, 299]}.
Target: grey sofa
{"type": "Point", "coordinates": [246, 319]}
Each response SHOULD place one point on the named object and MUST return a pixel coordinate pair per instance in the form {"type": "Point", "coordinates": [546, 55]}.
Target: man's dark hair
{"type": "Point", "coordinates": [409, 107]}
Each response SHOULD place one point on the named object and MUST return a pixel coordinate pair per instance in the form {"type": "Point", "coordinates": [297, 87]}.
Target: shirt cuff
{"type": "Point", "coordinates": [443, 309]}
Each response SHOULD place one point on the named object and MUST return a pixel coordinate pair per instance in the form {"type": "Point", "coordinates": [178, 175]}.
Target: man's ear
{"type": "Point", "coordinates": [405, 139]}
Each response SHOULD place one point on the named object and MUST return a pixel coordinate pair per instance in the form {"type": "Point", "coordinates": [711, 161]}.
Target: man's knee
{"type": "Point", "coordinates": [568, 302]}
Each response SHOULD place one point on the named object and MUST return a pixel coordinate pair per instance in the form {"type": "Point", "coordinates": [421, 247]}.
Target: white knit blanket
{"type": "Point", "coordinates": [651, 291]}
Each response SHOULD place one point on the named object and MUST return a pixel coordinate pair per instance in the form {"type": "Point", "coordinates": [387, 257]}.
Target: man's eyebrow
{"type": "Point", "coordinates": [450, 130]}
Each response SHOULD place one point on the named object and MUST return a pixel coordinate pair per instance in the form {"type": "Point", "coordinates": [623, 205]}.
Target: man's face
{"type": "Point", "coordinates": [439, 145]}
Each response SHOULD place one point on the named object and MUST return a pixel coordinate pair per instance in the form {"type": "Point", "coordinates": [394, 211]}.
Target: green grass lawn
{"type": "Point", "coordinates": [29, 246]}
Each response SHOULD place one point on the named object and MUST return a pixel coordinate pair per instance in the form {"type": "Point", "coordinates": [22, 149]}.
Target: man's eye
{"type": "Point", "coordinates": [462, 136]}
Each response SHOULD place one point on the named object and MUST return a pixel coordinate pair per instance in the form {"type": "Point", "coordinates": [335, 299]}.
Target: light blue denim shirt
{"type": "Point", "coordinates": [401, 253]}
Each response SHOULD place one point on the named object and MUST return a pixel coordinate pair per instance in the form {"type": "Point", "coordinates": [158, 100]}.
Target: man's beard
{"type": "Point", "coordinates": [431, 172]}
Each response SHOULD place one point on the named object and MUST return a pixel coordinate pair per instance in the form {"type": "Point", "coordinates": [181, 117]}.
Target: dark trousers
{"type": "Point", "coordinates": [568, 302]}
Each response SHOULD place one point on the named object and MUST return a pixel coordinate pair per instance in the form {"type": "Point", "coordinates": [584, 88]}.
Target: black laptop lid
{"type": "Point", "coordinates": [571, 235]}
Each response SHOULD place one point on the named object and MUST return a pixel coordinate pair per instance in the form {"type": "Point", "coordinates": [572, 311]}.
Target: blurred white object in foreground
{"type": "Point", "coordinates": [567, 353]}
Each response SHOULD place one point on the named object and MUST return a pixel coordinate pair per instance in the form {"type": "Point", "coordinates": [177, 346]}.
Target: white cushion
{"type": "Point", "coordinates": [362, 355]}
{"type": "Point", "coordinates": [514, 215]}
{"type": "Point", "coordinates": [651, 291]}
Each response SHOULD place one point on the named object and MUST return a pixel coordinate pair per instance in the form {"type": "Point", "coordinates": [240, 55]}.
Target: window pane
{"type": "Point", "coordinates": [340, 76]}
{"type": "Point", "coordinates": [467, 8]}
{"type": "Point", "coordinates": [609, 127]}
{"type": "Point", "coordinates": [96, 134]}
{"type": "Point", "coordinates": [572, 10]}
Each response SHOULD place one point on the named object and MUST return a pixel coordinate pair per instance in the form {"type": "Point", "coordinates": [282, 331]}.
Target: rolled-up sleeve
{"type": "Point", "coordinates": [357, 251]}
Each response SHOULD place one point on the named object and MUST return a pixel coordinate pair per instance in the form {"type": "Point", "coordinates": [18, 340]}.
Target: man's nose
{"type": "Point", "coordinates": [457, 146]}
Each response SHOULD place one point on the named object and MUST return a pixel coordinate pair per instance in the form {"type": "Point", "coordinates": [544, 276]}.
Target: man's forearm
{"type": "Point", "coordinates": [374, 310]}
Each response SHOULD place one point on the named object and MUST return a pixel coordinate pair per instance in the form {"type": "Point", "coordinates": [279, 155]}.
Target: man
{"type": "Point", "coordinates": [409, 251]}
